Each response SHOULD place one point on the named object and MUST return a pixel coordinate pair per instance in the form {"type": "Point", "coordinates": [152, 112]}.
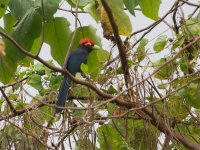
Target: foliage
{"type": "Point", "coordinates": [104, 111]}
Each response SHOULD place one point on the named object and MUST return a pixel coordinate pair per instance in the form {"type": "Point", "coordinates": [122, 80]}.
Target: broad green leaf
{"type": "Point", "coordinates": [57, 33]}
{"type": "Point", "coordinates": [84, 68]}
{"type": "Point", "coordinates": [7, 69]}
{"type": "Point", "coordinates": [9, 22]}
{"type": "Point", "coordinates": [108, 136]}
{"type": "Point", "coordinates": [192, 27]}
{"type": "Point", "coordinates": [166, 71]}
{"type": "Point", "coordinates": [50, 7]}
{"type": "Point", "coordinates": [192, 94]}
{"type": "Point", "coordinates": [141, 52]}
{"type": "Point", "coordinates": [35, 82]}
{"type": "Point", "coordinates": [93, 62]}
{"type": "Point", "coordinates": [150, 8]}
{"type": "Point", "coordinates": [91, 8]}
{"type": "Point", "coordinates": [121, 18]}
{"type": "Point", "coordinates": [36, 45]}
{"type": "Point", "coordinates": [19, 7]}
{"type": "Point", "coordinates": [130, 5]}
{"type": "Point", "coordinates": [102, 55]}
{"type": "Point", "coordinates": [82, 32]}
{"type": "Point", "coordinates": [3, 6]}
{"type": "Point", "coordinates": [160, 43]}
{"type": "Point", "coordinates": [30, 26]}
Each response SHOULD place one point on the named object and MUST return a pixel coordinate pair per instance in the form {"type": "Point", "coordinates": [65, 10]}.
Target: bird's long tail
{"type": "Point", "coordinates": [62, 95]}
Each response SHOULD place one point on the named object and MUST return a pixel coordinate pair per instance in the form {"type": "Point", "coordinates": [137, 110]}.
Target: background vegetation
{"type": "Point", "coordinates": [133, 95]}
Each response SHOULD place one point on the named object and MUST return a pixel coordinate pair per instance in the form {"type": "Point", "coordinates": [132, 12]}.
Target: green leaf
{"type": "Point", "coordinates": [82, 91]}
{"type": "Point", "coordinates": [84, 68]}
{"type": "Point", "coordinates": [160, 43]}
{"type": "Point", "coordinates": [20, 104]}
{"type": "Point", "coordinates": [102, 55]}
{"type": "Point", "coordinates": [109, 137]}
{"type": "Point", "coordinates": [7, 69]}
{"type": "Point", "coordinates": [36, 45]}
{"type": "Point", "coordinates": [176, 106]}
{"type": "Point", "coordinates": [57, 33]}
{"type": "Point", "coordinates": [178, 43]}
{"type": "Point", "coordinates": [193, 27]}
{"type": "Point", "coordinates": [82, 32]}
{"type": "Point", "coordinates": [39, 68]}
{"type": "Point", "coordinates": [55, 81]}
{"type": "Point", "coordinates": [3, 6]}
{"type": "Point", "coordinates": [141, 52]}
{"type": "Point", "coordinates": [19, 7]}
{"type": "Point", "coordinates": [185, 64]}
{"type": "Point", "coordinates": [35, 82]}
{"type": "Point", "coordinates": [192, 94]}
{"type": "Point", "coordinates": [9, 22]}
{"type": "Point", "coordinates": [130, 5]}
{"type": "Point", "coordinates": [30, 26]}
{"type": "Point", "coordinates": [112, 90]}
{"type": "Point", "coordinates": [93, 63]}
{"type": "Point", "coordinates": [150, 8]}
{"type": "Point", "coordinates": [121, 18]}
{"type": "Point", "coordinates": [91, 8]}
{"type": "Point", "coordinates": [166, 71]}
{"type": "Point", "coordinates": [48, 111]}
{"type": "Point", "coordinates": [50, 7]}
{"type": "Point", "coordinates": [81, 3]}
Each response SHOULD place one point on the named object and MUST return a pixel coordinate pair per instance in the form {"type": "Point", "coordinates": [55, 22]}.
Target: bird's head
{"type": "Point", "coordinates": [87, 42]}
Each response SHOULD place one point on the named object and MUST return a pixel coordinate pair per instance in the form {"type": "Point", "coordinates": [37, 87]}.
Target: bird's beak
{"type": "Point", "coordinates": [96, 47]}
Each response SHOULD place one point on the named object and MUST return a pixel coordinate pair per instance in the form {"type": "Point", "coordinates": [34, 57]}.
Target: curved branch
{"type": "Point", "coordinates": [122, 50]}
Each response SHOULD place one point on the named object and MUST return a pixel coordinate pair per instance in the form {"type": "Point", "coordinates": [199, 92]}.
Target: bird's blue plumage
{"type": "Point", "coordinates": [75, 59]}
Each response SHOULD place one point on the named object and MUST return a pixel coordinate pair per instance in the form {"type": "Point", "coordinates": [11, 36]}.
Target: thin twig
{"type": "Point", "coordinates": [43, 28]}
{"type": "Point", "coordinates": [8, 101]}
{"type": "Point", "coordinates": [73, 36]}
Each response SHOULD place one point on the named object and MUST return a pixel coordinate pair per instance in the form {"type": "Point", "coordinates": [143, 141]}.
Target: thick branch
{"type": "Point", "coordinates": [122, 51]}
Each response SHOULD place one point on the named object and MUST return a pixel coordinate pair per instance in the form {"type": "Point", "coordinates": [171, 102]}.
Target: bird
{"type": "Point", "coordinates": [73, 65]}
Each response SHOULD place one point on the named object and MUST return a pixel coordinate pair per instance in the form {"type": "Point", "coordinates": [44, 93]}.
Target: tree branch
{"type": "Point", "coordinates": [121, 48]}
{"type": "Point", "coordinates": [8, 101]}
